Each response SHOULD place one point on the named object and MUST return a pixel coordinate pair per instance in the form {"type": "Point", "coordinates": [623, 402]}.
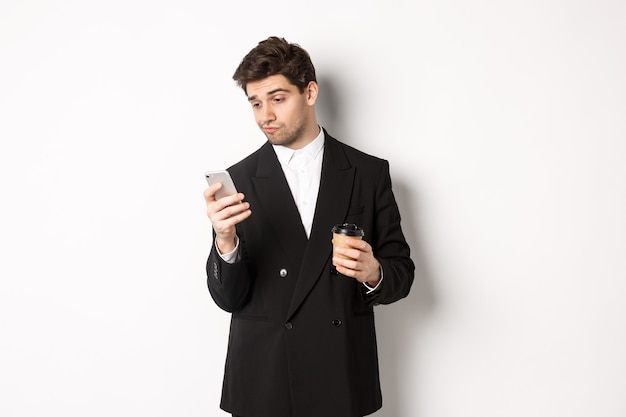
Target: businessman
{"type": "Point", "coordinates": [302, 337]}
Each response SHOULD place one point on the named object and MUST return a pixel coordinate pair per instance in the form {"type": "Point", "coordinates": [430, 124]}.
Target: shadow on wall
{"type": "Point", "coordinates": [397, 325]}
{"type": "Point", "coordinates": [328, 107]}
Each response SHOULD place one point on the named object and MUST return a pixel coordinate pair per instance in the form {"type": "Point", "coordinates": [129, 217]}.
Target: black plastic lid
{"type": "Point", "coordinates": [348, 229]}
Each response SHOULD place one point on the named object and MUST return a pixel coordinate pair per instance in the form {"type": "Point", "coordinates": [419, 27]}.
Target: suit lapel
{"type": "Point", "coordinates": [272, 191]}
{"type": "Point", "coordinates": [332, 206]}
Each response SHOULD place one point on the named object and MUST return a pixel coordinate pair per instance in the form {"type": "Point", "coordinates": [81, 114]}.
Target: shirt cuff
{"type": "Point", "coordinates": [232, 256]}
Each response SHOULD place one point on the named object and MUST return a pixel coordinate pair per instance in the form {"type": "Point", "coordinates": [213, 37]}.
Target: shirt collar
{"type": "Point", "coordinates": [313, 149]}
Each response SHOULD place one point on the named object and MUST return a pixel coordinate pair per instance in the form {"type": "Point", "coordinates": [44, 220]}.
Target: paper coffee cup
{"type": "Point", "coordinates": [341, 233]}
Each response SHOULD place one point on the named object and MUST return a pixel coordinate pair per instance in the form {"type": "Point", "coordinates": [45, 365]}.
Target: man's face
{"type": "Point", "coordinates": [285, 115]}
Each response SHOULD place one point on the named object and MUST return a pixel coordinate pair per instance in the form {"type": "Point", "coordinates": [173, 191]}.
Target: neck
{"type": "Point", "coordinates": [308, 136]}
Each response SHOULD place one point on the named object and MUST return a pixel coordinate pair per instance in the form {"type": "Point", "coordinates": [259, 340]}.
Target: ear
{"type": "Point", "coordinates": [311, 92]}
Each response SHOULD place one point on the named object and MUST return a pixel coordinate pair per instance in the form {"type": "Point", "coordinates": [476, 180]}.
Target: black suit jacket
{"type": "Point", "coordinates": [302, 338]}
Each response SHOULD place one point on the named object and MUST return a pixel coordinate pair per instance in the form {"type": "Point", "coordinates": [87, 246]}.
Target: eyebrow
{"type": "Point", "coordinates": [269, 93]}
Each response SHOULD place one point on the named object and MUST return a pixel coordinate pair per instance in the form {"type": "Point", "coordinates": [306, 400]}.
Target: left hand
{"type": "Point", "coordinates": [361, 265]}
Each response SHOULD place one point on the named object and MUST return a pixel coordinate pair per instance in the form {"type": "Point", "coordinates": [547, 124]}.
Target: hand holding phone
{"type": "Point", "coordinates": [224, 224]}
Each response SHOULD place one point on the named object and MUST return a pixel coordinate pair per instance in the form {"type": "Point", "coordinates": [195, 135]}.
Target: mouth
{"type": "Point", "coordinates": [269, 129]}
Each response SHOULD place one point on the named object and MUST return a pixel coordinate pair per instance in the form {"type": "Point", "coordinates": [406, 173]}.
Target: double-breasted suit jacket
{"type": "Point", "coordinates": [302, 338]}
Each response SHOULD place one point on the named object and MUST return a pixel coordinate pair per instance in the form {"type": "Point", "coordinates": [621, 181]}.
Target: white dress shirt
{"type": "Point", "coordinates": [303, 170]}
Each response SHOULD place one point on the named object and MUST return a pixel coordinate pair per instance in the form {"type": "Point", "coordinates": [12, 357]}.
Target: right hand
{"type": "Point", "coordinates": [224, 214]}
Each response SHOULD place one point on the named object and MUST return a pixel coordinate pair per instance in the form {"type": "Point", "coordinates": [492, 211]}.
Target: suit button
{"type": "Point", "coordinates": [336, 322]}
{"type": "Point", "coordinates": [283, 273]}
{"type": "Point", "coordinates": [288, 326]}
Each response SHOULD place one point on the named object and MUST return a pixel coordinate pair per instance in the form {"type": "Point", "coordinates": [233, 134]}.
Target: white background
{"type": "Point", "coordinates": [505, 126]}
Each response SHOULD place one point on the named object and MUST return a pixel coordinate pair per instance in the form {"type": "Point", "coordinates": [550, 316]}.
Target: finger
{"type": "Point", "coordinates": [230, 200]}
{"type": "Point", "coordinates": [240, 217]}
{"type": "Point", "coordinates": [347, 264]}
{"type": "Point", "coordinates": [351, 273]}
{"type": "Point", "coordinates": [358, 244]}
{"type": "Point", "coordinates": [218, 214]}
{"type": "Point", "coordinates": [345, 271]}
{"type": "Point", "coordinates": [237, 208]}
{"type": "Point", "coordinates": [216, 206]}
{"type": "Point", "coordinates": [236, 213]}
{"type": "Point", "coordinates": [227, 225]}
{"type": "Point", "coordinates": [350, 253]}
{"type": "Point", "coordinates": [209, 193]}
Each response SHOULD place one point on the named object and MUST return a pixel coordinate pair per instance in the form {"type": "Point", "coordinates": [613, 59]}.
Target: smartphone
{"type": "Point", "coordinates": [228, 186]}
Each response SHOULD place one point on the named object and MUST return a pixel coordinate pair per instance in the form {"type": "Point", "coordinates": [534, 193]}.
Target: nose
{"type": "Point", "coordinates": [267, 115]}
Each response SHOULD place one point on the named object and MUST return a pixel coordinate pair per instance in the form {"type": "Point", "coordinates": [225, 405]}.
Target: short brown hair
{"type": "Point", "coordinates": [276, 56]}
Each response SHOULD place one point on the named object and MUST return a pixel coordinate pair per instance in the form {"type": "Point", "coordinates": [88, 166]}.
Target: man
{"type": "Point", "coordinates": [302, 339]}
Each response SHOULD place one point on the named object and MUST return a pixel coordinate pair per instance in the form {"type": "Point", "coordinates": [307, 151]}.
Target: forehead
{"type": "Point", "coordinates": [268, 86]}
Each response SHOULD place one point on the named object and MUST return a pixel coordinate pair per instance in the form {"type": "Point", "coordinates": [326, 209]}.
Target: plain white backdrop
{"type": "Point", "coordinates": [505, 126]}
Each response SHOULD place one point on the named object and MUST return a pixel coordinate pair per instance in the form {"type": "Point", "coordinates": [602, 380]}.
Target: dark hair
{"type": "Point", "coordinates": [276, 56]}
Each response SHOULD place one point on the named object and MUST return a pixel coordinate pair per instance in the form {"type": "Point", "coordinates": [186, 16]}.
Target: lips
{"type": "Point", "coordinates": [269, 129]}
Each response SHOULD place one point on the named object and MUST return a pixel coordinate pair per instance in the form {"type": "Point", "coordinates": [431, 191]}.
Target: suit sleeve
{"type": "Point", "coordinates": [390, 246]}
{"type": "Point", "coordinates": [229, 283]}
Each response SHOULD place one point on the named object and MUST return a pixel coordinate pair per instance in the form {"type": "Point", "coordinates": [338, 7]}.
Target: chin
{"type": "Point", "coordinates": [279, 141]}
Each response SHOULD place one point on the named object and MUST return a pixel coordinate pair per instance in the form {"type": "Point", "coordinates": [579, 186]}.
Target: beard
{"type": "Point", "coordinates": [285, 136]}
